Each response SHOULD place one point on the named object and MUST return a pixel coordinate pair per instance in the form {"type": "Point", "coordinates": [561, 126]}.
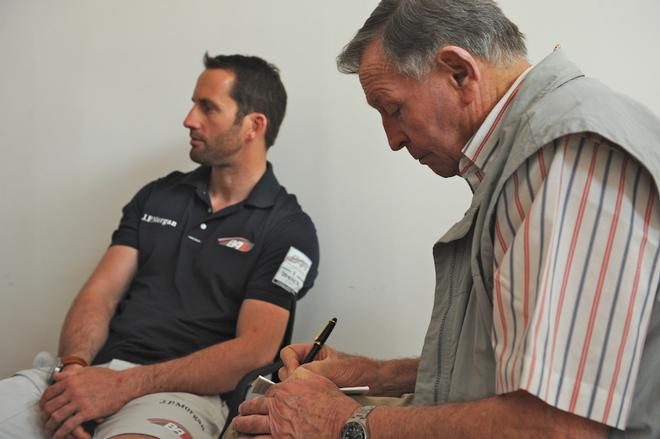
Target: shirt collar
{"type": "Point", "coordinates": [265, 191]}
{"type": "Point", "coordinates": [479, 148]}
{"type": "Point", "coordinates": [262, 195]}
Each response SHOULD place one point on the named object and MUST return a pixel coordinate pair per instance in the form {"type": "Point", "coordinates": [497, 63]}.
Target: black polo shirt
{"type": "Point", "coordinates": [196, 267]}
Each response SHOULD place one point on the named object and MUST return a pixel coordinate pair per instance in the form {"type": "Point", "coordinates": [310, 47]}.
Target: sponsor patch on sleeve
{"type": "Point", "coordinates": [292, 273]}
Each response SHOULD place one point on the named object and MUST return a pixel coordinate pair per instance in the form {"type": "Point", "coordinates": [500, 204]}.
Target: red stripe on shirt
{"type": "Point", "coordinates": [631, 303]}
{"type": "Point", "coordinates": [500, 238]}
{"type": "Point", "coordinates": [571, 254]}
{"type": "Point", "coordinates": [527, 262]}
{"type": "Point", "coordinates": [465, 168]}
{"type": "Point", "coordinates": [498, 290]}
{"type": "Point", "coordinates": [599, 286]}
{"type": "Point", "coordinates": [546, 275]}
{"type": "Point", "coordinates": [544, 171]}
{"type": "Point", "coordinates": [526, 290]}
{"type": "Point", "coordinates": [516, 184]}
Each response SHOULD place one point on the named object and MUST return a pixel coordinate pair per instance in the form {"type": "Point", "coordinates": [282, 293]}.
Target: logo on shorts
{"type": "Point", "coordinates": [172, 426]}
{"type": "Point", "coordinates": [237, 243]}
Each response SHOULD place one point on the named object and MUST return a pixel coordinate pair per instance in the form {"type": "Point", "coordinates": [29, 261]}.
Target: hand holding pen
{"type": "Point", "coordinates": [291, 355]}
{"type": "Point", "coordinates": [320, 340]}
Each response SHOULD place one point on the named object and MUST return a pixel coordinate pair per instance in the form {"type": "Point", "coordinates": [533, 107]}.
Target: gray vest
{"type": "Point", "coordinates": [458, 360]}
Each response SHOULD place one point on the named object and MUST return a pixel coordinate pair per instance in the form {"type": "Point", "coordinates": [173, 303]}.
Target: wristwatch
{"type": "Point", "coordinates": [356, 426]}
{"type": "Point", "coordinates": [64, 361]}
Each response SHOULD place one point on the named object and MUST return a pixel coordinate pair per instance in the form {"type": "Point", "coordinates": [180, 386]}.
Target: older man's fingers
{"type": "Point", "coordinates": [293, 354]}
{"type": "Point", "coordinates": [252, 424]}
{"type": "Point", "coordinates": [253, 417]}
{"type": "Point", "coordinates": [256, 406]}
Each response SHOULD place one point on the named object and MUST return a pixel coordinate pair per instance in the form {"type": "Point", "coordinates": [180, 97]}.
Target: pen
{"type": "Point", "coordinates": [320, 339]}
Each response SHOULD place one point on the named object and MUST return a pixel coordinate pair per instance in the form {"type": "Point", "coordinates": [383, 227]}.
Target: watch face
{"type": "Point", "coordinates": [353, 430]}
{"type": "Point", "coordinates": [55, 369]}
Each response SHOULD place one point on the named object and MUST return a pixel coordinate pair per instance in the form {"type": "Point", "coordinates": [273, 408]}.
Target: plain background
{"type": "Point", "coordinates": [92, 95]}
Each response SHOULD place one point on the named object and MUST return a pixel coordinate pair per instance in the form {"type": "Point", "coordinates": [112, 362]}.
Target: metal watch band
{"type": "Point", "coordinates": [361, 414]}
{"type": "Point", "coordinates": [359, 417]}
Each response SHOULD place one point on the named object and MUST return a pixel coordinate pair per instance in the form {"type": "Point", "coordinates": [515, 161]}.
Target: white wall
{"type": "Point", "coordinates": [92, 96]}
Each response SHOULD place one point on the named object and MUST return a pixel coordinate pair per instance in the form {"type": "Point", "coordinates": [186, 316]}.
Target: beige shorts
{"type": "Point", "coordinates": [174, 415]}
{"type": "Point", "coordinates": [168, 415]}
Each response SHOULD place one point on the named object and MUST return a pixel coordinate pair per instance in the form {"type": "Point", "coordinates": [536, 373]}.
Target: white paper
{"type": "Point", "coordinates": [261, 385]}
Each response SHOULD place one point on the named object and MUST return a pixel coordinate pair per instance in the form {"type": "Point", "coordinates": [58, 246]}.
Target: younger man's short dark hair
{"type": "Point", "coordinates": [257, 88]}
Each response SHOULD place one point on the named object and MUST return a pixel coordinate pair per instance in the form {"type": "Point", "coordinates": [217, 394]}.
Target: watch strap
{"type": "Point", "coordinates": [360, 416]}
{"type": "Point", "coordinates": [72, 359]}
{"type": "Point", "coordinates": [62, 362]}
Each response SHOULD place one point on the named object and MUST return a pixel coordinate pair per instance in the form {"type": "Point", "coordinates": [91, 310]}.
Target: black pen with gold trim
{"type": "Point", "coordinates": [320, 339]}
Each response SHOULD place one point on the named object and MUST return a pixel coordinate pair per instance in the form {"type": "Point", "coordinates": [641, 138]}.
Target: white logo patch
{"type": "Point", "coordinates": [158, 220]}
{"type": "Point", "coordinates": [293, 271]}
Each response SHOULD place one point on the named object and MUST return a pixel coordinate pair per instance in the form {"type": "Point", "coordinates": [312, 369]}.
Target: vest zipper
{"type": "Point", "coordinates": [441, 371]}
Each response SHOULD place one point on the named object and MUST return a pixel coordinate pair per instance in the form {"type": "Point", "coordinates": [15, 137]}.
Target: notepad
{"type": "Point", "coordinates": [262, 384]}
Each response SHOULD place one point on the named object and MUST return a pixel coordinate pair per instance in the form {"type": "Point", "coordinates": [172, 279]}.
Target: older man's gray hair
{"type": "Point", "coordinates": [412, 31]}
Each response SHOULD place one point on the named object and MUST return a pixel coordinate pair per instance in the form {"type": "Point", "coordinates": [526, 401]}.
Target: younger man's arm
{"type": "Point", "coordinates": [86, 325]}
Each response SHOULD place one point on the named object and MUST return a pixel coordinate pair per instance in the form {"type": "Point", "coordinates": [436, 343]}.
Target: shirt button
{"type": "Point", "coordinates": [202, 226]}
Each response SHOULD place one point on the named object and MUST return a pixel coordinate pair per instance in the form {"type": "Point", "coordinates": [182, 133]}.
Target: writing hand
{"type": "Point", "coordinates": [292, 356]}
{"type": "Point", "coordinates": [306, 405]}
{"type": "Point", "coordinates": [342, 369]}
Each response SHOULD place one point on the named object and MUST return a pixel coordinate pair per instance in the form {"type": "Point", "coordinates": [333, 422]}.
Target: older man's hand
{"type": "Point", "coordinates": [82, 395]}
{"type": "Point", "coordinates": [306, 405]}
{"type": "Point", "coordinates": [342, 369]}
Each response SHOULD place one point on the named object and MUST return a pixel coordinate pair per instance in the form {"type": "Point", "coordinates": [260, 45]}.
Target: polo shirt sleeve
{"type": "Point", "coordinates": [127, 231]}
{"type": "Point", "coordinates": [288, 264]}
{"type": "Point", "coordinates": [575, 286]}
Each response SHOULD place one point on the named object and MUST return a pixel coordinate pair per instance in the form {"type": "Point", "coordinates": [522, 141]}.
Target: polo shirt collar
{"type": "Point", "coordinates": [198, 178]}
{"type": "Point", "coordinates": [265, 191]}
{"type": "Point", "coordinates": [263, 194]}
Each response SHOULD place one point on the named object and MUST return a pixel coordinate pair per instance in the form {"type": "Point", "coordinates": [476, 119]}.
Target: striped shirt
{"type": "Point", "coordinates": [577, 238]}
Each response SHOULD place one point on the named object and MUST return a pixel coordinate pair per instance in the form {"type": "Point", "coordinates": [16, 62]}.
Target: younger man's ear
{"type": "Point", "coordinates": [256, 125]}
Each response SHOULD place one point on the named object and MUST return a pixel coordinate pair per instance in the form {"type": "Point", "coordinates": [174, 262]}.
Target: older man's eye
{"type": "Point", "coordinates": [393, 110]}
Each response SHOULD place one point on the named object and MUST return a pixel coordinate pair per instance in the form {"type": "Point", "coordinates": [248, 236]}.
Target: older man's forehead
{"type": "Point", "coordinates": [375, 72]}
{"type": "Point", "coordinates": [374, 81]}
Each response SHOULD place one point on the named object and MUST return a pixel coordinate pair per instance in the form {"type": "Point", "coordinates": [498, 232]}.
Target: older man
{"type": "Point", "coordinates": [546, 321]}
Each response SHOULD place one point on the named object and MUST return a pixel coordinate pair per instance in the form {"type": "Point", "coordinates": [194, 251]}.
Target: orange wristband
{"type": "Point", "coordinates": [72, 359]}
